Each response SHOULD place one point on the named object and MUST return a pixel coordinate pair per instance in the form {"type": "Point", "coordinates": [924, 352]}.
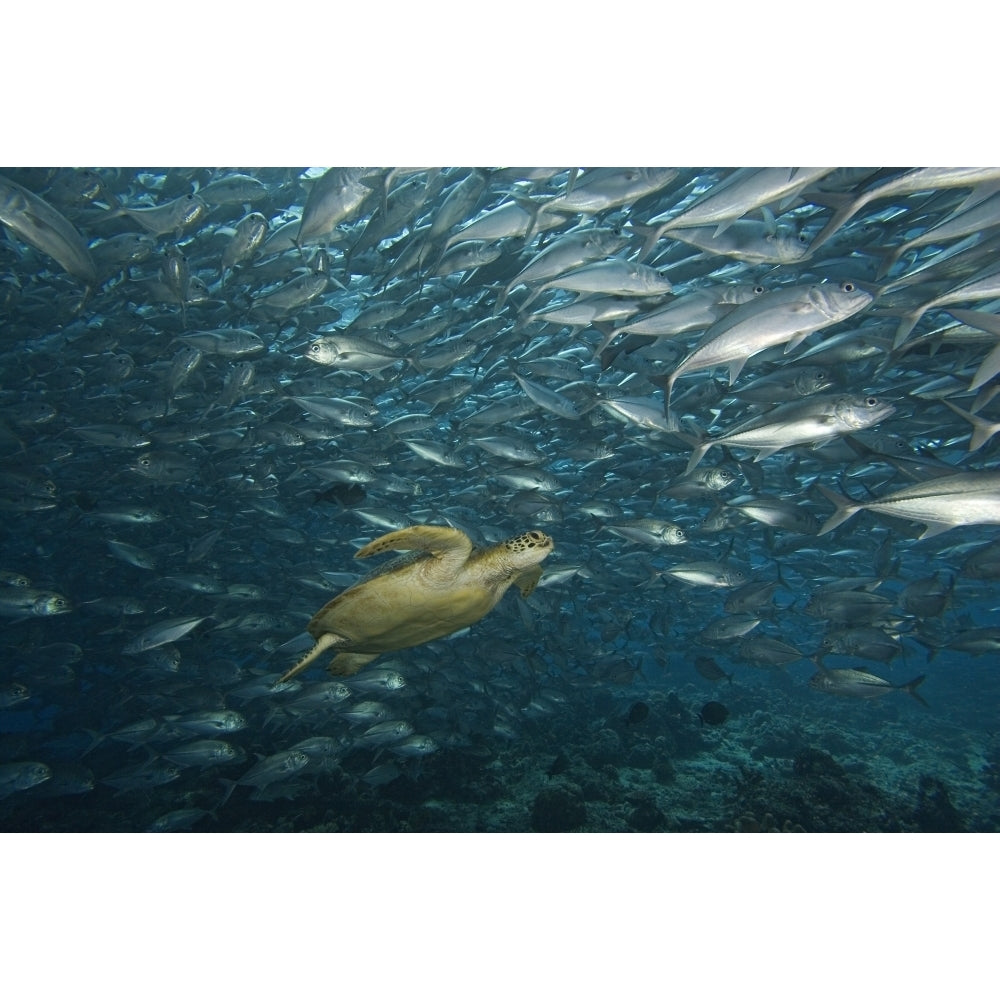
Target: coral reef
{"type": "Point", "coordinates": [935, 812]}
{"type": "Point", "coordinates": [560, 809]}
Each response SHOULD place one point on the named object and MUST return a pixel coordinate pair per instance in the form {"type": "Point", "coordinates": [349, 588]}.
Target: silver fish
{"type": "Point", "coordinates": [171, 217]}
{"type": "Point", "coordinates": [783, 316]}
{"type": "Point", "coordinates": [203, 753]}
{"type": "Point", "coordinates": [705, 573]}
{"type": "Point", "coordinates": [160, 634]}
{"type": "Point", "coordinates": [860, 684]}
{"type": "Point", "coordinates": [334, 198]}
{"type": "Point", "coordinates": [735, 196]}
{"type": "Point", "coordinates": [940, 504]}
{"type": "Point", "coordinates": [811, 421]}
{"type": "Point", "coordinates": [21, 775]}
{"type": "Point", "coordinates": [38, 223]}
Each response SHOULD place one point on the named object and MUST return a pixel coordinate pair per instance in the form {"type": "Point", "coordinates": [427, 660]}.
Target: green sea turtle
{"type": "Point", "coordinates": [442, 585]}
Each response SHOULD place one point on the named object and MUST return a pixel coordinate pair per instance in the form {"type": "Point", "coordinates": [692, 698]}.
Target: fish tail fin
{"type": "Point", "coordinates": [906, 324]}
{"type": "Point", "coordinates": [96, 739]}
{"type": "Point", "coordinates": [608, 333]}
{"type": "Point", "coordinates": [784, 583]}
{"type": "Point", "coordinates": [911, 688]}
{"type": "Point", "coordinates": [534, 207]}
{"type": "Point", "coordinates": [650, 237]}
{"type": "Point", "coordinates": [700, 451]}
{"type": "Point", "coordinates": [845, 509]}
{"type": "Point", "coordinates": [668, 390]}
{"type": "Point", "coordinates": [887, 257]}
{"type": "Point", "coordinates": [533, 294]}
{"type": "Point", "coordinates": [982, 430]}
{"type": "Point", "coordinates": [230, 786]}
{"type": "Point", "coordinates": [844, 207]}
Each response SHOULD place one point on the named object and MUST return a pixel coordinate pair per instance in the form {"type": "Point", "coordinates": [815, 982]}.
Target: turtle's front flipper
{"type": "Point", "coordinates": [345, 664]}
{"type": "Point", "coordinates": [528, 580]}
{"type": "Point", "coordinates": [324, 642]}
{"type": "Point", "coordinates": [438, 540]}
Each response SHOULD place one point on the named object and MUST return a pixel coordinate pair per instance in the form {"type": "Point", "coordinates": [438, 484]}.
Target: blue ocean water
{"type": "Point", "coordinates": [219, 384]}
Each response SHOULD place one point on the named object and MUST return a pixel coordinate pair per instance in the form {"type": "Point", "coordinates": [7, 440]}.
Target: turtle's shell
{"type": "Point", "coordinates": [442, 586]}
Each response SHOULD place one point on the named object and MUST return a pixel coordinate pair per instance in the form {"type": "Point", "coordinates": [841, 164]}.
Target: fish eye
{"type": "Point", "coordinates": [871, 401]}
{"type": "Point", "coordinates": [803, 239]}
{"type": "Point", "coordinates": [758, 289]}
{"type": "Point", "coordinates": [847, 286]}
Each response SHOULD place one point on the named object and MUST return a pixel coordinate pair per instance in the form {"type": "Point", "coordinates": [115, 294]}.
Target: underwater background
{"type": "Point", "coordinates": [771, 603]}
{"type": "Point", "coordinates": [501, 913]}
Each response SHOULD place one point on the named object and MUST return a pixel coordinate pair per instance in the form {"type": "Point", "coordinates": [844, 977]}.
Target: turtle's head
{"type": "Point", "coordinates": [530, 548]}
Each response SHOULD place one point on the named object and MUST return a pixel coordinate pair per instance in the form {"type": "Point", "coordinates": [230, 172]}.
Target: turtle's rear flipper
{"type": "Point", "coordinates": [323, 643]}
{"type": "Point", "coordinates": [346, 664]}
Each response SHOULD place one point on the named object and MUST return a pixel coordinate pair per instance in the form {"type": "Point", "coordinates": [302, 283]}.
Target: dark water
{"type": "Point", "coordinates": [159, 468]}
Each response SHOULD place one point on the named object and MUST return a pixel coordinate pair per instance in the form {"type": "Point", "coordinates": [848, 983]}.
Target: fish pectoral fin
{"type": "Point", "coordinates": [935, 528]}
{"type": "Point", "coordinates": [323, 643]}
{"type": "Point", "coordinates": [528, 580]}
{"type": "Point", "coordinates": [796, 341]}
{"type": "Point", "coordinates": [347, 664]}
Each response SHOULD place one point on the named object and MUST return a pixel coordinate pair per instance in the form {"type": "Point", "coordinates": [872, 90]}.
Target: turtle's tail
{"type": "Point", "coordinates": [323, 643]}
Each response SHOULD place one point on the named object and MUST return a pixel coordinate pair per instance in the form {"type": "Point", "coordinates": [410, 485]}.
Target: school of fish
{"type": "Point", "coordinates": [753, 407]}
